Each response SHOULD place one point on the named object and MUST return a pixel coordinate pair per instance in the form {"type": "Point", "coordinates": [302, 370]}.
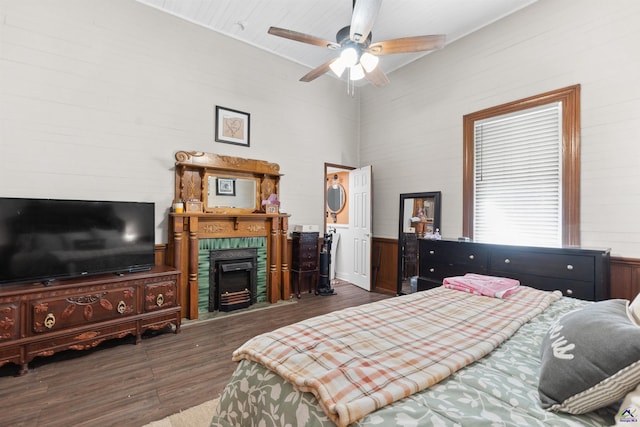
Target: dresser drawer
{"type": "Point", "coordinates": [308, 253]}
{"type": "Point", "coordinates": [160, 295]}
{"type": "Point", "coordinates": [437, 272]}
{"type": "Point", "coordinates": [79, 339]}
{"type": "Point", "coordinates": [9, 321]}
{"type": "Point", "coordinates": [56, 313]}
{"type": "Point", "coordinates": [305, 261]}
{"type": "Point", "coordinates": [461, 257]}
{"type": "Point", "coordinates": [307, 266]}
{"type": "Point", "coordinates": [572, 288]}
{"type": "Point", "coordinates": [311, 238]}
{"type": "Point", "coordinates": [560, 266]}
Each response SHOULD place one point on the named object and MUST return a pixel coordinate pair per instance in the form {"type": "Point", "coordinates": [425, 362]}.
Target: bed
{"type": "Point", "coordinates": [453, 358]}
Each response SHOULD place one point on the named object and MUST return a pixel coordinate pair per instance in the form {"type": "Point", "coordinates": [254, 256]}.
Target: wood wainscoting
{"type": "Point", "coordinates": [384, 260]}
{"type": "Point", "coordinates": [384, 265]}
{"type": "Point", "coordinates": [161, 254]}
{"type": "Point", "coordinates": [625, 278]}
{"type": "Point", "coordinates": [625, 272]}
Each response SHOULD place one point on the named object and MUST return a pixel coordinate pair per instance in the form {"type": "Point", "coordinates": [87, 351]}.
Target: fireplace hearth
{"type": "Point", "coordinates": [232, 278]}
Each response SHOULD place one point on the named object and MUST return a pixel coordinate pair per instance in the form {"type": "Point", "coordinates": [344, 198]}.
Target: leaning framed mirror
{"type": "Point", "coordinates": [419, 218]}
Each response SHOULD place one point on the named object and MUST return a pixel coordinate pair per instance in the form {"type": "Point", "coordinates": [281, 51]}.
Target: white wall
{"type": "Point", "coordinates": [411, 130]}
{"type": "Point", "coordinates": [96, 97]}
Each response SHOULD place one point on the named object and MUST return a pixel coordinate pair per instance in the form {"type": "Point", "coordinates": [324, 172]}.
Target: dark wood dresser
{"type": "Point", "coordinates": [579, 273]}
{"type": "Point", "coordinates": [304, 260]}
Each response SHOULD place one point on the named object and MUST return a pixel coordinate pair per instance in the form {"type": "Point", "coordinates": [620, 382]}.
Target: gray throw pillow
{"type": "Point", "coordinates": [590, 358]}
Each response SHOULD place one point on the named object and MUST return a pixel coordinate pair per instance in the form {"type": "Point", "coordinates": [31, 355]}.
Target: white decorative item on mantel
{"type": "Point", "coordinates": [307, 228]}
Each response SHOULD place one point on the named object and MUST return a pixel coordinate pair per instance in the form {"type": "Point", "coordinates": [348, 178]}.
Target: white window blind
{"type": "Point", "coordinates": [518, 177]}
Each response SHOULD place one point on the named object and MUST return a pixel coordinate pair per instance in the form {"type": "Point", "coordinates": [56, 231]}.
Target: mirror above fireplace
{"type": "Point", "coordinates": [224, 184]}
{"type": "Point", "coordinates": [226, 191]}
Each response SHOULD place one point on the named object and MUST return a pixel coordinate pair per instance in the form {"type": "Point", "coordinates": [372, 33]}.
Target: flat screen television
{"type": "Point", "coordinates": [42, 240]}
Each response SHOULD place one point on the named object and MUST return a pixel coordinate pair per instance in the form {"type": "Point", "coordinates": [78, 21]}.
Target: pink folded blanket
{"type": "Point", "coordinates": [491, 286]}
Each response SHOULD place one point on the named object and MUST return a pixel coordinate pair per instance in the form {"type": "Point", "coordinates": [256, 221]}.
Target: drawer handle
{"type": "Point", "coordinates": [569, 267]}
{"type": "Point", "coordinates": [507, 261]}
{"type": "Point", "coordinates": [569, 291]}
{"type": "Point", "coordinates": [159, 300]}
{"type": "Point", "coordinates": [471, 257]}
{"type": "Point", "coordinates": [50, 321]}
{"type": "Point", "coordinates": [431, 270]}
{"type": "Point", "coordinates": [432, 252]}
{"type": "Point", "coordinates": [121, 307]}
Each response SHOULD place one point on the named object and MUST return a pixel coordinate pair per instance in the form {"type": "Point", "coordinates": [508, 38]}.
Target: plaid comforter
{"type": "Point", "coordinates": [362, 358]}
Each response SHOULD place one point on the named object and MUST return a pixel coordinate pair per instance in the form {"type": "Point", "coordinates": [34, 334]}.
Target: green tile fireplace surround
{"type": "Point", "coordinates": [207, 245]}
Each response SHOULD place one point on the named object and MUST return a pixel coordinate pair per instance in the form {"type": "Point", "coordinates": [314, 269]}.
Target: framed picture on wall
{"type": "Point", "coordinates": [232, 126]}
{"type": "Point", "coordinates": [226, 187]}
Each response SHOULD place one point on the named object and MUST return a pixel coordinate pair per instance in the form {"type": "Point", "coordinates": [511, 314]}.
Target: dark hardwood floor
{"type": "Point", "coordinates": [122, 384]}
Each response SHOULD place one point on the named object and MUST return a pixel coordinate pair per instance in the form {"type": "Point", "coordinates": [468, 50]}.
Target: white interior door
{"type": "Point", "coordinates": [360, 226]}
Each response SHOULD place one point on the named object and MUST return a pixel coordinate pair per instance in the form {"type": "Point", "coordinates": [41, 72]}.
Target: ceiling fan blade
{"type": "Point", "coordinates": [377, 77]}
{"type": "Point", "coordinates": [317, 72]}
{"type": "Point", "coordinates": [362, 19]}
{"type": "Point", "coordinates": [301, 37]}
{"type": "Point", "coordinates": [408, 44]}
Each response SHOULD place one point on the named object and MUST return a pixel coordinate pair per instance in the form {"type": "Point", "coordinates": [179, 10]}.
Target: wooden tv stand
{"type": "Point", "coordinates": [78, 314]}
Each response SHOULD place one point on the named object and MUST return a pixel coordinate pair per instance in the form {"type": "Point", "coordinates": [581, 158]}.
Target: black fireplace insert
{"type": "Point", "coordinates": [232, 278]}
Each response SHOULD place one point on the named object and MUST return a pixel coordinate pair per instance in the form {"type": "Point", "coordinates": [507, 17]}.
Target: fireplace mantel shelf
{"type": "Point", "coordinates": [236, 217]}
{"type": "Point", "coordinates": [229, 215]}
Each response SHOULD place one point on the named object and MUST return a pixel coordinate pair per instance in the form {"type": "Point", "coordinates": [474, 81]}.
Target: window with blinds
{"type": "Point", "coordinates": [521, 171]}
{"type": "Point", "coordinates": [518, 177]}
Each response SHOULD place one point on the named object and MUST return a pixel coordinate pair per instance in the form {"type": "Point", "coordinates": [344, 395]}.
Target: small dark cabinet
{"type": "Point", "coordinates": [579, 273]}
{"type": "Point", "coordinates": [304, 260]}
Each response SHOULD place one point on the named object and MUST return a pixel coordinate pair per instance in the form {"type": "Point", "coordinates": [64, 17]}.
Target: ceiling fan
{"type": "Point", "coordinates": [357, 54]}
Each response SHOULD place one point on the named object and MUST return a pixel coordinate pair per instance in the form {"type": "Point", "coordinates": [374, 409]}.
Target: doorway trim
{"type": "Point", "coordinates": [327, 167]}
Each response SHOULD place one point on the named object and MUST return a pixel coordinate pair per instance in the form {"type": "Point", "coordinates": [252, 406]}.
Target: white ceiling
{"type": "Point", "coordinates": [249, 20]}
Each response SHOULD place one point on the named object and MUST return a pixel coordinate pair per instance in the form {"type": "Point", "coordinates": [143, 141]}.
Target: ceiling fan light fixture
{"type": "Point", "coordinates": [337, 67]}
{"type": "Point", "coordinates": [356, 53]}
{"type": "Point", "coordinates": [356, 72]}
{"type": "Point", "coordinates": [369, 61]}
{"type": "Point", "coordinates": [349, 56]}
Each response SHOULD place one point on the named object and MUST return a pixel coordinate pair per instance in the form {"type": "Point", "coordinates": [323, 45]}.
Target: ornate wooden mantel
{"type": "Point", "coordinates": [200, 221]}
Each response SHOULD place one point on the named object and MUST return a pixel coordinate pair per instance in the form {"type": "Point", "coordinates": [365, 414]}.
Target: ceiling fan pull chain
{"type": "Point", "coordinates": [351, 89]}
